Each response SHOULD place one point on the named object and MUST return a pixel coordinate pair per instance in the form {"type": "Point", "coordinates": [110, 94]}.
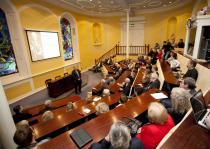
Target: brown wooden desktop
{"type": "Point", "coordinates": [99, 127]}
{"type": "Point", "coordinates": [57, 103]}
{"type": "Point", "coordinates": [63, 118]}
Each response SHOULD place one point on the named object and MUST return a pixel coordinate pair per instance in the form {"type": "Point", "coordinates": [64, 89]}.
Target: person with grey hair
{"type": "Point", "coordinates": [101, 108]}
{"type": "Point", "coordinates": [154, 81]}
{"type": "Point", "coordinates": [118, 138]}
{"type": "Point", "coordinates": [180, 104]}
{"type": "Point", "coordinates": [48, 115]}
{"type": "Point", "coordinates": [125, 86]}
{"type": "Point", "coordinates": [47, 106]}
{"type": "Point", "coordinates": [189, 84]}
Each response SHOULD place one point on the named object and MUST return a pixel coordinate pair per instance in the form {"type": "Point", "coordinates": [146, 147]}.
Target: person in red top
{"type": "Point", "coordinates": [160, 123]}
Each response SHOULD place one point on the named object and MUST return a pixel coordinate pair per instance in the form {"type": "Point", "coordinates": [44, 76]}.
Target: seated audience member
{"type": "Point", "coordinates": [154, 81]}
{"type": "Point", "coordinates": [69, 106]}
{"type": "Point", "coordinates": [24, 138]}
{"type": "Point", "coordinates": [155, 69]}
{"type": "Point", "coordinates": [125, 86]}
{"type": "Point", "coordinates": [147, 72]}
{"type": "Point", "coordinates": [110, 80]}
{"type": "Point", "coordinates": [160, 54]}
{"type": "Point", "coordinates": [181, 43]}
{"type": "Point", "coordinates": [99, 90]}
{"type": "Point", "coordinates": [101, 108]}
{"type": "Point", "coordinates": [118, 138]}
{"type": "Point", "coordinates": [167, 49]}
{"type": "Point", "coordinates": [123, 98]}
{"type": "Point", "coordinates": [188, 83]}
{"type": "Point", "coordinates": [48, 115]}
{"type": "Point", "coordinates": [141, 88]}
{"type": "Point", "coordinates": [153, 55]}
{"type": "Point", "coordinates": [157, 46]}
{"type": "Point", "coordinates": [174, 63]}
{"type": "Point", "coordinates": [180, 104]}
{"type": "Point", "coordinates": [47, 106]}
{"type": "Point", "coordinates": [141, 60]}
{"type": "Point", "coordinates": [106, 92]}
{"type": "Point", "coordinates": [19, 114]}
{"type": "Point", "coordinates": [192, 71]}
{"type": "Point", "coordinates": [160, 124]}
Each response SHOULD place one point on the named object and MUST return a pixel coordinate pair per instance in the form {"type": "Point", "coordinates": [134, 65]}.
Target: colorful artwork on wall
{"type": "Point", "coordinates": [67, 39]}
{"type": "Point", "coordinates": [7, 57]}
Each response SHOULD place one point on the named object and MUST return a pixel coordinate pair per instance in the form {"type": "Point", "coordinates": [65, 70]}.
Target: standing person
{"type": "Point", "coordinates": [76, 73]}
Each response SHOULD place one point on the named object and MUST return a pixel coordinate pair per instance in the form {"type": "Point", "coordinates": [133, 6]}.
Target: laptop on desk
{"type": "Point", "coordinates": [199, 109]}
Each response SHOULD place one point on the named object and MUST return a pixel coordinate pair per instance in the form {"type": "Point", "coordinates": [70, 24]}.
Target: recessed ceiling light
{"type": "Point", "coordinates": [144, 6]}
{"type": "Point", "coordinates": [170, 2]}
{"type": "Point", "coordinates": [91, 0]}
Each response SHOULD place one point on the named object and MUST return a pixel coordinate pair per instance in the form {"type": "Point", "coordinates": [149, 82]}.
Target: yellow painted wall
{"type": "Point", "coordinates": [34, 17]}
{"type": "Point", "coordinates": [18, 90]}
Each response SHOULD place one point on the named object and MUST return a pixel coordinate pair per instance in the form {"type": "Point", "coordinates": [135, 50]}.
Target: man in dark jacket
{"type": "Point", "coordinates": [76, 74]}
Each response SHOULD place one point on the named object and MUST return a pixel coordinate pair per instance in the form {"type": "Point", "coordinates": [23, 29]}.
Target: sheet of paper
{"type": "Point", "coordinates": [86, 110]}
{"type": "Point", "coordinates": [159, 96]}
{"type": "Point", "coordinates": [96, 98]}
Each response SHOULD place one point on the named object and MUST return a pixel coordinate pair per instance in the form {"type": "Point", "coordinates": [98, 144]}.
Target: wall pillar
{"type": "Point", "coordinates": [7, 126]}
{"type": "Point", "coordinates": [187, 39]}
{"type": "Point", "coordinates": [127, 35]}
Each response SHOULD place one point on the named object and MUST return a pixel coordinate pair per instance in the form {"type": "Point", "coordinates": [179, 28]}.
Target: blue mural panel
{"type": "Point", "coordinates": [67, 39]}
{"type": "Point", "coordinates": [8, 63]}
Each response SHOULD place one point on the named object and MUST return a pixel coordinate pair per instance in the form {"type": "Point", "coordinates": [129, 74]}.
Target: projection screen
{"type": "Point", "coordinates": [43, 45]}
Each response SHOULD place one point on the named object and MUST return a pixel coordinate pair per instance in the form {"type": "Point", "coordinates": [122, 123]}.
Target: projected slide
{"type": "Point", "coordinates": [43, 45]}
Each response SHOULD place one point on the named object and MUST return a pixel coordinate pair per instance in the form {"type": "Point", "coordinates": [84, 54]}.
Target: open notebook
{"type": "Point", "coordinates": [81, 137]}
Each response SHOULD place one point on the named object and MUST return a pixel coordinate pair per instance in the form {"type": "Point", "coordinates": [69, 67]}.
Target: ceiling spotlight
{"type": "Point", "coordinates": [91, 0]}
{"type": "Point", "coordinates": [170, 2]}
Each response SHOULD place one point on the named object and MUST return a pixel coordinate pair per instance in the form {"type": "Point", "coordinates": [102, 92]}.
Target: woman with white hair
{"type": "Point", "coordinates": [118, 138]}
{"type": "Point", "coordinates": [106, 92]}
{"type": "Point", "coordinates": [180, 103]}
{"type": "Point", "coordinates": [160, 124]}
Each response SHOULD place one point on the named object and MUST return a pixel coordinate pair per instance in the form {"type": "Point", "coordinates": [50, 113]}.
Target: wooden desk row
{"type": "Point", "coordinates": [57, 103]}
{"type": "Point", "coordinates": [63, 119]}
{"type": "Point", "coordinates": [99, 127]}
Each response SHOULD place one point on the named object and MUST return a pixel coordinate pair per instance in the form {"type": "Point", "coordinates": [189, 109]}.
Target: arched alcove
{"type": "Point", "coordinates": [96, 34]}
{"type": "Point", "coordinates": [172, 29]}
{"type": "Point", "coordinates": [72, 31]}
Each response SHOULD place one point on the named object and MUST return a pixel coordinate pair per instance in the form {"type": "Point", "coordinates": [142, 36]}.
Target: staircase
{"type": "Point", "coordinates": [121, 50]}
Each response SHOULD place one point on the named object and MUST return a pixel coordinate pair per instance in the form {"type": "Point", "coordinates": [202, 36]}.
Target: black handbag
{"type": "Point", "coordinates": [132, 124]}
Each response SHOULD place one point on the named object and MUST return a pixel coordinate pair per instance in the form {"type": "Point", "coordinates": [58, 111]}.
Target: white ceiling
{"type": "Point", "coordinates": [118, 7]}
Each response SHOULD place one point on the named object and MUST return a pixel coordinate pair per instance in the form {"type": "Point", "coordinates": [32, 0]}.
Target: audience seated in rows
{"type": "Point", "coordinates": [101, 108]}
{"type": "Point", "coordinates": [19, 114]}
{"type": "Point", "coordinates": [47, 107]}
{"type": "Point", "coordinates": [160, 124]}
{"type": "Point", "coordinates": [189, 84]}
{"type": "Point", "coordinates": [48, 115]}
{"type": "Point", "coordinates": [118, 138]}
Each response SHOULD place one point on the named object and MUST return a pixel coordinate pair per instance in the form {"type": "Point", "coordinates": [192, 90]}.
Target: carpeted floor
{"type": "Point", "coordinates": [89, 78]}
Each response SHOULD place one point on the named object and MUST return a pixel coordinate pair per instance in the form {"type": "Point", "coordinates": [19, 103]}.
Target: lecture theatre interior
{"type": "Point", "coordinates": [104, 74]}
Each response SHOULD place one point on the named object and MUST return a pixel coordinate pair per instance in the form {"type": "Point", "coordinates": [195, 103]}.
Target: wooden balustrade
{"type": "Point", "coordinates": [121, 50]}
